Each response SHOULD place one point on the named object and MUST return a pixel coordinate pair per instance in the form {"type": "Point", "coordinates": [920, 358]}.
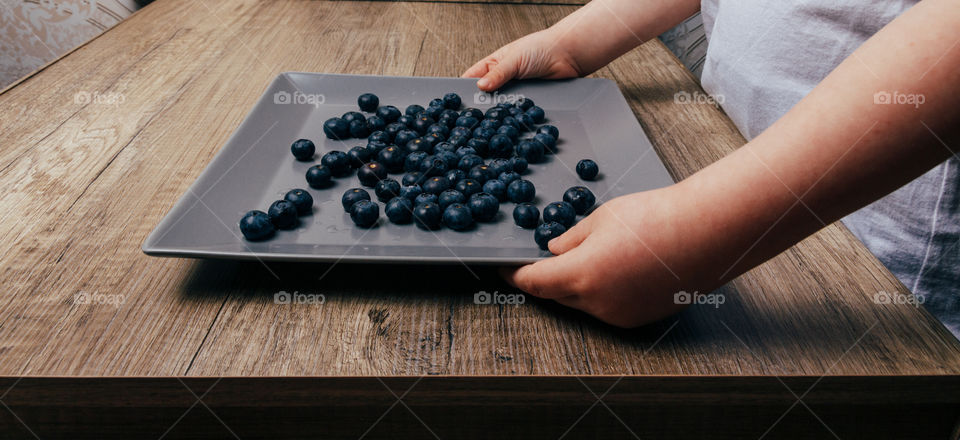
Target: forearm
{"type": "Point", "coordinates": [837, 150]}
{"type": "Point", "coordinates": [602, 30]}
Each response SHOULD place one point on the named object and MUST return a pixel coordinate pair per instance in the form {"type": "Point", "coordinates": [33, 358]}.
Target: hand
{"type": "Point", "coordinates": [537, 55]}
{"type": "Point", "coordinates": [624, 262]}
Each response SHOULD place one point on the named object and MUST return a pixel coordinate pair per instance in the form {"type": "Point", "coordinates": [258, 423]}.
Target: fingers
{"type": "Point", "coordinates": [554, 277]}
{"type": "Point", "coordinates": [570, 239]}
{"type": "Point", "coordinates": [479, 69]}
{"type": "Point", "coordinates": [498, 75]}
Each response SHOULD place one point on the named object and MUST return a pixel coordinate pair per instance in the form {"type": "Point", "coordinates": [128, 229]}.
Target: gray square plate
{"type": "Point", "coordinates": [255, 168]}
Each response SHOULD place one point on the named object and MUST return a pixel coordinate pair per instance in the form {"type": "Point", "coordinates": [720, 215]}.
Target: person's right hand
{"type": "Point", "coordinates": [538, 55]}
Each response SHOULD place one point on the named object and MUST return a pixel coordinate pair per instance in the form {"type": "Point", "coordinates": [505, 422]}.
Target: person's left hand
{"type": "Point", "coordinates": [624, 262]}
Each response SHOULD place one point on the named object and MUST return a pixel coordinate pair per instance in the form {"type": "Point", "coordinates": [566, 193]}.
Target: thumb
{"type": "Point", "coordinates": [572, 238]}
{"type": "Point", "coordinates": [499, 73]}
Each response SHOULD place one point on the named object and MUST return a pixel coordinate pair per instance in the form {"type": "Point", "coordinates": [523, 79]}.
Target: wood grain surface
{"type": "Point", "coordinates": [86, 178]}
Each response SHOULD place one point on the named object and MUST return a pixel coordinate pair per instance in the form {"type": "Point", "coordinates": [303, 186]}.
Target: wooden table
{"type": "Point", "coordinates": [179, 348]}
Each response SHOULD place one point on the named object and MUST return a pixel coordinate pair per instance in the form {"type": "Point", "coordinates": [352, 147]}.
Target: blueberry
{"type": "Point", "coordinates": [560, 212]}
{"type": "Point", "coordinates": [303, 149]}
{"type": "Point", "coordinates": [526, 215]}
{"type": "Point", "coordinates": [376, 123]}
{"type": "Point", "coordinates": [404, 137]}
{"type": "Point", "coordinates": [337, 161]}
{"type": "Point", "coordinates": [549, 142]}
{"type": "Point", "coordinates": [514, 112]}
{"type": "Point", "coordinates": [375, 147]}
{"type": "Point", "coordinates": [520, 165]}
{"type": "Point", "coordinates": [301, 199]}
{"type": "Point", "coordinates": [450, 196]}
{"type": "Point", "coordinates": [387, 189]}
{"type": "Point", "coordinates": [483, 206]}
{"type": "Point", "coordinates": [587, 169]}
{"type": "Point", "coordinates": [507, 177]}
{"type": "Point", "coordinates": [455, 175]}
{"type": "Point", "coordinates": [444, 146]}
{"type": "Point", "coordinates": [433, 139]}
{"type": "Point", "coordinates": [492, 124]}
{"type": "Point", "coordinates": [427, 215]}
{"type": "Point", "coordinates": [496, 113]}
{"type": "Point", "coordinates": [482, 146]}
{"type": "Point", "coordinates": [450, 158]}
{"type": "Point", "coordinates": [448, 121]}
{"type": "Point", "coordinates": [520, 191]}
{"type": "Point", "coordinates": [525, 122]}
{"type": "Point", "coordinates": [441, 129]}
{"type": "Point", "coordinates": [510, 132]}
{"type": "Point", "coordinates": [407, 121]}
{"type": "Point", "coordinates": [472, 112]}
{"type": "Point", "coordinates": [256, 225]}
{"type": "Point", "coordinates": [458, 141]}
{"type": "Point", "coordinates": [422, 123]}
{"type": "Point", "coordinates": [511, 121]}
{"type": "Point", "coordinates": [399, 210]}
{"type": "Point", "coordinates": [359, 156]}
{"type": "Point", "coordinates": [436, 185]}
{"type": "Point", "coordinates": [336, 128]}
{"type": "Point", "coordinates": [468, 187]}
{"type": "Point", "coordinates": [389, 113]}
{"type": "Point", "coordinates": [500, 166]}
{"type": "Point", "coordinates": [410, 192]}
{"type": "Point", "coordinates": [353, 195]}
{"type": "Point", "coordinates": [467, 122]}
{"type": "Point", "coordinates": [537, 114]}
{"type": "Point", "coordinates": [436, 102]}
{"type": "Point", "coordinates": [433, 112]}
{"type": "Point", "coordinates": [469, 161]}
{"type": "Point", "coordinates": [426, 198]}
{"type": "Point", "coordinates": [461, 131]}
{"type": "Point", "coordinates": [319, 176]}
{"type": "Point", "coordinates": [349, 117]}
{"type": "Point", "coordinates": [381, 136]}
{"type": "Point", "coordinates": [412, 162]}
{"type": "Point", "coordinates": [368, 102]}
{"type": "Point", "coordinates": [546, 232]}
{"type": "Point", "coordinates": [463, 151]}
{"type": "Point", "coordinates": [524, 103]}
{"type": "Point", "coordinates": [496, 188]}
{"type": "Point", "coordinates": [581, 198]}
{"type": "Point", "coordinates": [483, 133]}
{"type": "Point", "coordinates": [413, 110]}
{"type": "Point", "coordinates": [412, 178]}
{"type": "Point", "coordinates": [531, 151]}
{"type": "Point", "coordinates": [457, 217]}
{"type": "Point", "coordinates": [359, 129]}
{"type": "Point", "coordinates": [433, 166]}
{"type": "Point", "coordinates": [371, 173]}
{"type": "Point", "coordinates": [393, 128]}
{"type": "Point", "coordinates": [283, 214]}
{"type": "Point", "coordinates": [365, 213]}
{"type": "Point", "coordinates": [418, 144]}
{"type": "Point", "coordinates": [450, 113]}
{"type": "Point", "coordinates": [392, 157]}
{"type": "Point", "coordinates": [549, 129]}
{"type": "Point", "coordinates": [452, 101]}
{"type": "Point", "coordinates": [481, 173]}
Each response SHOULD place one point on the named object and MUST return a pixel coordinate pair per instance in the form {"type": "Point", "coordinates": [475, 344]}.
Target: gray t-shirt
{"type": "Point", "coordinates": [763, 57]}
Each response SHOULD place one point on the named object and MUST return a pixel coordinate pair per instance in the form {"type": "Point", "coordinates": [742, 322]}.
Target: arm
{"type": "Point", "coordinates": [835, 151]}
{"type": "Point", "coordinates": [581, 42]}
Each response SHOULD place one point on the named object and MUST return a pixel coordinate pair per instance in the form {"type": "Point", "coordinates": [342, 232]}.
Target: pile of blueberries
{"type": "Point", "coordinates": [457, 167]}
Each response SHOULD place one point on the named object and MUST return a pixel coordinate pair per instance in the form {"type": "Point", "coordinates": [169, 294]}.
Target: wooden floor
{"type": "Point", "coordinates": [84, 182]}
